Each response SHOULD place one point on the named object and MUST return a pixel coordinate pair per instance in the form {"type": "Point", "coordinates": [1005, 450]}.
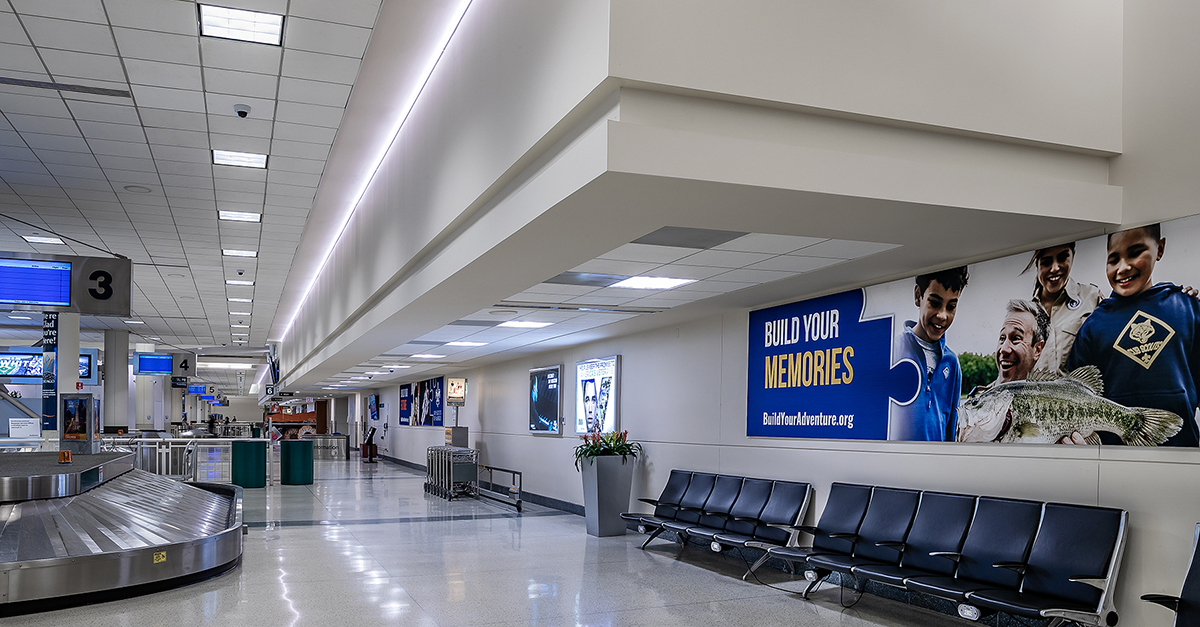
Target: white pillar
{"type": "Point", "coordinates": [116, 378]}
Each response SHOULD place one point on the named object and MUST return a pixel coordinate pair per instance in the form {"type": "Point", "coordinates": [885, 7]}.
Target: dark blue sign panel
{"type": "Point", "coordinates": [818, 370]}
{"type": "Point", "coordinates": [406, 406]}
{"type": "Point", "coordinates": [49, 371]}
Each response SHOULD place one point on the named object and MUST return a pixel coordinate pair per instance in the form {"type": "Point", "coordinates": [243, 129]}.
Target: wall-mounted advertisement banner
{"type": "Point", "coordinates": [49, 371]}
{"type": "Point", "coordinates": [428, 401]}
{"type": "Point", "coordinates": [23, 365]}
{"type": "Point", "coordinates": [406, 404]}
{"type": "Point", "coordinates": [1086, 342]}
{"type": "Point", "coordinates": [372, 407]}
{"type": "Point", "coordinates": [545, 401]}
{"type": "Point", "coordinates": [597, 390]}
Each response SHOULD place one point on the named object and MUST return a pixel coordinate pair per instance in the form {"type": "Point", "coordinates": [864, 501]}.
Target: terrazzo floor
{"type": "Point", "coordinates": [365, 545]}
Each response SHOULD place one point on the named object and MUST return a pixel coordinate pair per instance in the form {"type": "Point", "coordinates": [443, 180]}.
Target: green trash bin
{"type": "Point", "coordinates": [296, 462]}
{"type": "Point", "coordinates": [255, 431]}
{"type": "Point", "coordinates": [249, 464]}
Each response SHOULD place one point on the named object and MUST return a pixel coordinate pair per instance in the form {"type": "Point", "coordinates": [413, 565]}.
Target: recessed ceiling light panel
{"type": "Point", "coordinates": [231, 252]}
{"type": "Point", "coordinates": [524, 324]}
{"type": "Point", "coordinates": [252, 26]}
{"type": "Point", "coordinates": [241, 300]}
{"type": "Point", "coordinates": [239, 216]}
{"type": "Point", "coordinates": [239, 313]}
{"type": "Point", "coordinates": [239, 159]}
{"type": "Point", "coordinates": [466, 344]}
{"type": "Point", "coordinates": [39, 239]}
{"type": "Point", "coordinates": [428, 356]}
{"type": "Point", "coordinates": [652, 283]}
{"type": "Point", "coordinates": [238, 282]}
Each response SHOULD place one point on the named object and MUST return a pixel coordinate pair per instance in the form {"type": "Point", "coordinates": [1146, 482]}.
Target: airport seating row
{"type": "Point", "coordinates": [988, 554]}
{"type": "Point", "coordinates": [726, 511]}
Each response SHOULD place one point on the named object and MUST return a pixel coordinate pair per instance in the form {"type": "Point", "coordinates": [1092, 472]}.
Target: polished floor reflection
{"type": "Point", "coordinates": [366, 545]}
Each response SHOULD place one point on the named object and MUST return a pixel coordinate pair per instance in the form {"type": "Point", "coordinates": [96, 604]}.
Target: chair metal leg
{"type": "Point", "coordinates": [762, 560]}
{"type": "Point", "coordinates": [653, 535]}
{"type": "Point", "coordinates": [811, 585]}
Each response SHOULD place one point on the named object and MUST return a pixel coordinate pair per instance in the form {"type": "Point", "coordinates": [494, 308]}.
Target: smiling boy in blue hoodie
{"type": "Point", "coordinates": [1143, 337]}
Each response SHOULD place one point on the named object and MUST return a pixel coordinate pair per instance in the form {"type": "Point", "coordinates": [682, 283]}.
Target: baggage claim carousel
{"type": "Point", "coordinates": [99, 530]}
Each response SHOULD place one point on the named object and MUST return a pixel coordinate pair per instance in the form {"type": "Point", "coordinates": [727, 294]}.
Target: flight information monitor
{"type": "Point", "coordinates": [153, 364]}
{"type": "Point", "coordinates": [31, 282]}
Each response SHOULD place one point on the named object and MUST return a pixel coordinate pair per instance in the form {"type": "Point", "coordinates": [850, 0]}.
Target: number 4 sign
{"type": "Point", "coordinates": [183, 364]}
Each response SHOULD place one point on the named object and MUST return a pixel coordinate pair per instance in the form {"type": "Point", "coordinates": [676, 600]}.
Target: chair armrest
{"type": "Point", "coordinates": [653, 502]}
{"type": "Point", "coordinates": [843, 536]}
{"type": "Point", "coordinates": [1165, 600]}
{"type": "Point", "coordinates": [892, 544]}
{"type": "Point", "coordinates": [745, 519]}
{"type": "Point", "coordinates": [690, 509]}
{"type": "Point", "coordinates": [1015, 566]}
{"type": "Point", "coordinates": [1095, 582]}
{"type": "Point", "coordinates": [786, 527]}
{"type": "Point", "coordinates": [950, 555]}
{"type": "Point", "coordinates": [718, 515]}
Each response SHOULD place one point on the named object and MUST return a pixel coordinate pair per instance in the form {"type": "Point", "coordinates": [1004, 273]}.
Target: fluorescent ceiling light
{"type": "Point", "coordinates": [38, 239]}
{"type": "Point", "coordinates": [386, 139]}
{"type": "Point", "coordinates": [241, 300]}
{"type": "Point", "coordinates": [156, 338]}
{"type": "Point", "coordinates": [252, 26]}
{"type": "Point", "coordinates": [133, 322]}
{"type": "Point", "coordinates": [524, 324]}
{"type": "Point", "coordinates": [229, 252]}
{"type": "Point", "coordinates": [375, 372]}
{"type": "Point", "coordinates": [240, 326]}
{"type": "Point", "coordinates": [241, 334]}
{"type": "Point", "coordinates": [239, 159]}
{"type": "Point", "coordinates": [224, 365]}
{"type": "Point", "coordinates": [397, 366]}
{"type": "Point", "coordinates": [652, 283]}
{"type": "Point", "coordinates": [239, 216]}
{"type": "Point", "coordinates": [466, 343]}
{"type": "Point", "coordinates": [239, 313]}
{"type": "Point", "coordinates": [427, 356]}
{"type": "Point", "coordinates": [21, 317]}
{"type": "Point", "coordinates": [359, 378]}
{"type": "Point", "coordinates": [237, 282]}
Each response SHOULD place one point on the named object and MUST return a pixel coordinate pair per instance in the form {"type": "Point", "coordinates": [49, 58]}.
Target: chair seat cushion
{"type": "Point", "coordinates": [889, 573]}
{"type": "Point", "coordinates": [1023, 603]}
{"type": "Point", "coordinates": [654, 521]}
{"type": "Point", "coordinates": [633, 516]}
{"type": "Point", "coordinates": [838, 563]}
{"type": "Point", "coordinates": [945, 587]}
{"type": "Point", "coordinates": [678, 526]}
{"type": "Point", "coordinates": [704, 533]}
{"type": "Point", "coordinates": [793, 553]}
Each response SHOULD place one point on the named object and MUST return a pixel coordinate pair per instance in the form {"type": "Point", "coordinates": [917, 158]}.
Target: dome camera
{"type": "Point", "coordinates": [390, 370]}
{"type": "Point", "coordinates": [241, 272]}
{"type": "Point", "coordinates": [241, 110]}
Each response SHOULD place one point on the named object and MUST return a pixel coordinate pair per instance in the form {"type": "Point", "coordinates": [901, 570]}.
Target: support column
{"type": "Point", "coordinates": [116, 378]}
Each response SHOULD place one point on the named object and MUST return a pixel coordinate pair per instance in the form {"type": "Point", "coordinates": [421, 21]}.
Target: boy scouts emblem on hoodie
{"type": "Point", "coordinates": [1144, 338]}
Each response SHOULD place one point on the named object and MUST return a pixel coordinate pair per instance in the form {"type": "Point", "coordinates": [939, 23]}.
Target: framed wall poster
{"type": "Point", "coordinates": [428, 402]}
{"type": "Point", "coordinates": [597, 392]}
{"type": "Point", "coordinates": [545, 400]}
{"type": "Point", "coordinates": [406, 404]}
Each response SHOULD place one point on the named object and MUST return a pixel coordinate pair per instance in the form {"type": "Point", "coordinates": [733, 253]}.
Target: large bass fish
{"type": "Point", "coordinates": [1049, 406]}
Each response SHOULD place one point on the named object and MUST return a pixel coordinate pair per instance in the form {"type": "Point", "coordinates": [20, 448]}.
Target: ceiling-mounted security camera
{"type": "Point", "coordinates": [241, 272]}
{"type": "Point", "coordinates": [241, 110]}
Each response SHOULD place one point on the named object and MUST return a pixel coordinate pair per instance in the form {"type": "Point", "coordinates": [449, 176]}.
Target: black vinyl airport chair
{"type": "Point", "coordinates": [667, 503]}
{"type": "Point", "coordinates": [689, 508]}
{"type": "Point", "coordinates": [835, 531]}
{"type": "Point", "coordinates": [713, 513]}
{"type": "Point", "coordinates": [785, 507]}
{"type": "Point", "coordinates": [742, 518]}
{"type": "Point", "coordinates": [880, 537]}
{"type": "Point", "coordinates": [1071, 571]}
{"type": "Point", "coordinates": [1001, 531]}
{"type": "Point", "coordinates": [940, 526]}
{"type": "Point", "coordinates": [1187, 605]}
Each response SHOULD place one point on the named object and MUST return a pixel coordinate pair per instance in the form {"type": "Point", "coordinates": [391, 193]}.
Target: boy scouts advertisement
{"type": "Point", "coordinates": [1088, 342]}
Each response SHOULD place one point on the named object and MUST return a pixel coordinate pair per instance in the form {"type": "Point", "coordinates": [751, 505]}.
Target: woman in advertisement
{"type": "Point", "coordinates": [1067, 301]}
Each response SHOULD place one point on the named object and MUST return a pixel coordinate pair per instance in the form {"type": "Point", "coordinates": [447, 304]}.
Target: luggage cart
{"type": "Point", "coordinates": [452, 472]}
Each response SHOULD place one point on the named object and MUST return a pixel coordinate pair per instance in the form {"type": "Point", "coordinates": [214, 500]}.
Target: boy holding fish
{"type": "Point", "coordinates": [1143, 337]}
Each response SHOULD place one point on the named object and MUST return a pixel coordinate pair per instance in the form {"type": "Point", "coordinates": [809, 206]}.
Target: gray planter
{"type": "Point", "coordinates": [606, 485]}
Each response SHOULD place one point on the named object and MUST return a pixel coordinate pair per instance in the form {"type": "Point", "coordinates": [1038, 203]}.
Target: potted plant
{"type": "Point", "coordinates": [604, 459]}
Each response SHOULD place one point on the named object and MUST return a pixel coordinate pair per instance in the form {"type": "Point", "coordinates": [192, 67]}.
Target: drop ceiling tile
{"type": "Point", "coordinates": [844, 249]}
{"type": "Point", "coordinates": [319, 67]}
{"type": "Point", "coordinates": [101, 112]}
{"type": "Point", "coordinates": [39, 124]}
{"type": "Point", "coordinates": [313, 115]}
{"type": "Point", "coordinates": [16, 153]}
{"type": "Point", "coordinates": [69, 171]}
{"type": "Point", "coordinates": [260, 109]}
{"type": "Point", "coordinates": [48, 106]}
{"type": "Point", "coordinates": [155, 15]}
{"type": "Point", "coordinates": [533, 297]}
{"type": "Point", "coordinates": [713, 286]}
{"type": "Point", "coordinates": [156, 74]}
{"type": "Point", "coordinates": [115, 132]}
{"type": "Point", "coordinates": [302, 150]}
{"type": "Point", "coordinates": [295, 191]}
{"type": "Point", "coordinates": [355, 12]}
{"type": "Point", "coordinates": [79, 10]}
{"type": "Point", "coordinates": [55, 142]}
{"type": "Point", "coordinates": [68, 35]}
{"type": "Point", "coordinates": [753, 276]}
{"type": "Point", "coordinates": [10, 168]}
{"type": "Point", "coordinates": [723, 259]}
{"type": "Point", "coordinates": [648, 253]}
{"type": "Point", "coordinates": [127, 177]}
{"type": "Point", "coordinates": [609, 266]}
{"type": "Point", "coordinates": [327, 37]}
{"type": "Point", "coordinates": [676, 271]}
{"type": "Point", "coordinates": [66, 66]}
{"type": "Point", "coordinates": [768, 243]}
{"type": "Point", "coordinates": [188, 168]}
{"type": "Point", "coordinates": [794, 263]}
{"type": "Point", "coordinates": [182, 120]}
{"type": "Point", "coordinates": [224, 124]}
{"type": "Point", "coordinates": [10, 29]}
{"type": "Point", "coordinates": [163, 98]}
{"type": "Point", "coordinates": [125, 163]}
{"type": "Point", "coordinates": [313, 92]}
{"type": "Point", "coordinates": [118, 148]}
{"type": "Point", "coordinates": [175, 137]}
{"type": "Point", "coordinates": [291, 164]}
{"type": "Point", "coordinates": [609, 301]}
{"type": "Point", "coordinates": [304, 133]}
{"type": "Point", "coordinates": [20, 58]}
{"type": "Point", "coordinates": [240, 83]}
{"type": "Point", "coordinates": [157, 46]}
{"type": "Point", "coordinates": [239, 55]}
{"type": "Point", "coordinates": [71, 184]}
{"type": "Point", "coordinates": [293, 178]}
